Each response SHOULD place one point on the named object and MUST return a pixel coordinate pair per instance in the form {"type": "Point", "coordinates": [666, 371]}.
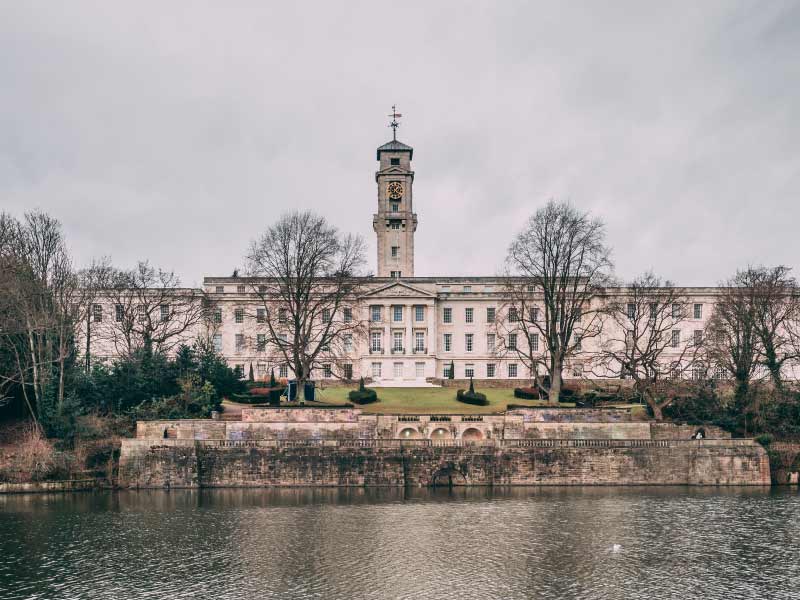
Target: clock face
{"type": "Point", "coordinates": [395, 190]}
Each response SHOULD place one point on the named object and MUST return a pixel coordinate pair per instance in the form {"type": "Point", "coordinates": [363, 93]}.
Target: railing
{"type": "Point", "coordinates": [420, 350]}
{"type": "Point", "coordinates": [396, 350]}
{"type": "Point", "coordinates": [376, 350]}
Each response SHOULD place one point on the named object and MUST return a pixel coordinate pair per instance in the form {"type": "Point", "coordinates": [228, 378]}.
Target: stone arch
{"type": "Point", "coordinates": [441, 433]}
{"type": "Point", "coordinates": [472, 434]}
{"type": "Point", "coordinates": [700, 434]}
{"type": "Point", "coordinates": [448, 476]}
{"type": "Point", "coordinates": [409, 433]}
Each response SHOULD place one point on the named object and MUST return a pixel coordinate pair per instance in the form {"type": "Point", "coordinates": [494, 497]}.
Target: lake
{"type": "Point", "coordinates": [565, 543]}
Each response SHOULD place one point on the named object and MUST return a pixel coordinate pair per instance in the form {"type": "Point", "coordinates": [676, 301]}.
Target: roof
{"type": "Point", "coordinates": [395, 146]}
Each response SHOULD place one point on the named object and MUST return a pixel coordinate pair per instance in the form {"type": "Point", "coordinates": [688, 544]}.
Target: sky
{"type": "Point", "coordinates": [177, 132]}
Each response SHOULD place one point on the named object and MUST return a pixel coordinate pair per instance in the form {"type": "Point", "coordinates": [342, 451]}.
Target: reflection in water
{"type": "Point", "coordinates": [355, 543]}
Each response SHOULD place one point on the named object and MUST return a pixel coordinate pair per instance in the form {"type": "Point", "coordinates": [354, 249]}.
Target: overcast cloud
{"type": "Point", "coordinates": [177, 131]}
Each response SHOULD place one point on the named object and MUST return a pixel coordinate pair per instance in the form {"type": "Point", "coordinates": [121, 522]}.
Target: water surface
{"type": "Point", "coordinates": [566, 543]}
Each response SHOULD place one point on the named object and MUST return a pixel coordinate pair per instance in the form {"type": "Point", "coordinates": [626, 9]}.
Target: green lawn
{"type": "Point", "coordinates": [427, 400]}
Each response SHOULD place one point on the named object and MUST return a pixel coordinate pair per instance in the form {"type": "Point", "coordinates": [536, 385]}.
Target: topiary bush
{"type": "Point", "coordinates": [526, 393]}
{"type": "Point", "coordinates": [471, 396]}
{"type": "Point", "coordinates": [363, 395]}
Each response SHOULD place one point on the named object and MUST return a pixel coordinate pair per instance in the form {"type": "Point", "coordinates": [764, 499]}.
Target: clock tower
{"type": "Point", "coordinates": [395, 222]}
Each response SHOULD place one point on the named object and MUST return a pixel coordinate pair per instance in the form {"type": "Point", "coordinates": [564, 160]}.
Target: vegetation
{"type": "Point", "coordinates": [363, 395]}
{"type": "Point", "coordinates": [471, 396]}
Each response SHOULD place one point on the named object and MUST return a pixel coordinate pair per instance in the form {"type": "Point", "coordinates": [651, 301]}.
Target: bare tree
{"type": "Point", "coordinates": [305, 274]}
{"type": "Point", "coordinates": [561, 256]}
{"type": "Point", "coordinates": [150, 312]}
{"type": "Point", "coordinates": [93, 280]}
{"type": "Point", "coordinates": [643, 339]}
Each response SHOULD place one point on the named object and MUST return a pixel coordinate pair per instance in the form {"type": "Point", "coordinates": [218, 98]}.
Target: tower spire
{"type": "Point", "coordinates": [394, 124]}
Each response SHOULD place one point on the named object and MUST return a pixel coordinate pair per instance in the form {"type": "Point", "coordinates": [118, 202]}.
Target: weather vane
{"type": "Point", "coordinates": [394, 124]}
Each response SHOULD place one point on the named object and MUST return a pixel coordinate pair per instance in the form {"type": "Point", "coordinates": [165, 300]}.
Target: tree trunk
{"type": "Point", "coordinates": [555, 380]}
{"type": "Point", "coordinates": [88, 340]}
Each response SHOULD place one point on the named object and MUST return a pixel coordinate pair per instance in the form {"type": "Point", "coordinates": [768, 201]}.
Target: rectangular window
{"type": "Point", "coordinates": [631, 310]}
{"type": "Point", "coordinates": [348, 314]}
{"type": "Point", "coordinates": [530, 288]}
{"type": "Point", "coordinates": [676, 310]}
{"type": "Point", "coordinates": [512, 370]}
{"type": "Point", "coordinates": [447, 315]}
{"type": "Point", "coordinates": [447, 369]}
{"type": "Point", "coordinates": [698, 337]}
{"type": "Point", "coordinates": [217, 340]}
{"type": "Point", "coordinates": [395, 162]}
{"type": "Point", "coordinates": [283, 339]}
{"type": "Point", "coordinates": [347, 370]}
{"type": "Point", "coordinates": [283, 371]}
{"type": "Point", "coordinates": [469, 315]}
{"type": "Point", "coordinates": [261, 370]}
{"type": "Point", "coordinates": [578, 346]}
{"type": "Point", "coordinates": [467, 288]}
{"type": "Point", "coordinates": [141, 313]}
{"type": "Point", "coordinates": [533, 314]}
{"type": "Point", "coordinates": [397, 341]}
{"type": "Point", "coordinates": [261, 342]}
{"type": "Point", "coordinates": [512, 315]}
{"type": "Point", "coordinates": [395, 251]}
{"type": "Point", "coordinates": [697, 373]}
{"type": "Point", "coordinates": [218, 315]}
{"type": "Point", "coordinates": [282, 316]}
{"type": "Point", "coordinates": [469, 370]}
{"type": "Point", "coordinates": [448, 342]}
{"type": "Point", "coordinates": [419, 313]}
{"type": "Point", "coordinates": [347, 342]}
{"type": "Point", "coordinates": [419, 341]}
{"type": "Point", "coordinates": [165, 312]}
{"type": "Point", "coordinates": [220, 289]}
{"type": "Point", "coordinates": [653, 310]}
{"type": "Point", "coordinates": [698, 311]}
{"type": "Point", "coordinates": [375, 314]}
{"type": "Point", "coordinates": [468, 342]}
{"type": "Point", "coordinates": [534, 341]}
{"type": "Point", "coordinates": [240, 289]}
{"type": "Point", "coordinates": [326, 315]}
{"type": "Point", "coordinates": [490, 344]}
{"type": "Point", "coordinates": [394, 206]}
{"type": "Point", "coordinates": [327, 372]}
{"type": "Point", "coordinates": [490, 370]}
{"type": "Point", "coordinates": [119, 312]}
{"type": "Point", "coordinates": [261, 315]}
{"type": "Point", "coordinates": [676, 338]}
{"type": "Point", "coordinates": [490, 313]}
{"type": "Point", "coordinates": [239, 370]}
{"type": "Point", "coordinates": [397, 370]}
{"type": "Point", "coordinates": [395, 274]}
{"type": "Point", "coordinates": [394, 224]}
{"type": "Point", "coordinates": [376, 370]}
{"type": "Point", "coordinates": [419, 370]}
{"type": "Point", "coordinates": [512, 341]}
{"type": "Point", "coordinates": [97, 313]}
{"type": "Point", "coordinates": [239, 315]}
{"type": "Point", "coordinates": [397, 314]}
{"type": "Point", "coordinates": [262, 289]}
{"type": "Point", "coordinates": [375, 341]}
{"type": "Point", "coordinates": [239, 342]}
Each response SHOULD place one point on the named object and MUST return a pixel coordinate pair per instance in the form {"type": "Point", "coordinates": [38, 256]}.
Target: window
{"type": "Point", "coordinates": [697, 373]}
{"type": "Point", "coordinates": [468, 342]}
{"type": "Point", "coordinates": [698, 337]}
{"type": "Point", "coordinates": [327, 373]}
{"type": "Point", "coordinates": [676, 338]}
{"type": "Point", "coordinates": [469, 315]}
{"type": "Point", "coordinates": [217, 315]}
{"type": "Point", "coordinates": [141, 313]}
{"type": "Point", "coordinates": [240, 289]}
{"type": "Point", "coordinates": [578, 346]}
{"type": "Point", "coordinates": [282, 317]}
{"type": "Point", "coordinates": [395, 251]}
{"type": "Point", "coordinates": [375, 314]}
{"type": "Point", "coordinates": [120, 313]}
{"type": "Point", "coordinates": [467, 288]}
{"type": "Point", "coordinates": [676, 310]}
{"type": "Point", "coordinates": [533, 314]}
{"type": "Point", "coordinates": [262, 289]}
{"type": "Point", "coordinates": [513, 317]}
{"type": "Point", "coordinates": [283, 339]}
{"type": "Point", "coordinates": [97, 313]}
{"type": "Point", "coordinates": [347, 342]}
{"type": "Point", "coordinates": [376, 370]}
{"type": "Point", "coordinates": [239, 315]}
{"type": "Point", "coordinates": [165, 312]}
{"type": "Point", "coordinates": [397, 314]}
{"type": "Point", "coordinates": [512, 341]}
{"type": "Point", "coordinates": [720, 373]}
{"type": "Point", "coordinates": [261, 315]}
{"type": "Point", "coordinates": [530, 288]}
{"type": "Point", "coordinates": [395, 274]}
{"type": "Point", "coordinates": [534, 341]}
{"type": "Point", "coordinates": [448, 342]}
{"type": "Point", "coordinates": [490, 313]}
{"type": "Point", "coordinates": [397, 370]}
{"type": "Point", "coordinates": [419, 341]}
{"type": "Point", "coordinates": [577, 370]}
{"type": "Point", "coordinates": [698, 311]}
{"type": "Point", "coordinates": [447, 369]}
{"type": "Point", "coordinates": [512, 370]}
{"type": "Point", "coordinates": [419, 313]}
{"type": "Point", "coordinates": [283, 371]}
{"type": "Point", "coordinates": [395, 162]}
{"type": "Point", "coordinates": [347, 369]}
{"type": "Point", "coordinates": [217, 341]}
{"type": "Point", "coordinates": [375, 341]}
{"type": "Point", "coordinates": [487, 288]}
{"type": "Point", "coordinates": [326, 315]}
{"type": "Point", "coordinates": [348, 314]}
{"type": "Point", "coordinates": [490, 343]}
{"type": "Point", "coordinates": [394, 224]}
{"type": "Point", "coordinates": [447, 315]}
{"type": "Point", "coordinates": [469, 370]}
{"type": "Point", "coordinates": [220, 289]}
{"type": "Point", "coordinates": [261, 342]}
{"type": "Point", "coordinates": [325, 344]}
{"type": "Point", "coordinates": [631, 310]}
{"type": "Point", "coordinates": [445, 288]}
{"type": "Point", "coordinates": [239, 342]}
{"type": "Point", "coordinates": [261, 369]}
{"type": "Point", "coordinates": [490, 370]}
{"type": "Point", "coordinates": [397, 341]}
{"type": "Point", "coordinates": [419, 370]}
{"type": "Point", "coordinates": [239, 370]}
{"type": "Point", "coordinates": [394, 206]}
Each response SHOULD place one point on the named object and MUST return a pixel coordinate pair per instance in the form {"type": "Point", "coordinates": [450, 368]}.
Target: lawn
{"type": "Point", "coordinates": [428, 400]}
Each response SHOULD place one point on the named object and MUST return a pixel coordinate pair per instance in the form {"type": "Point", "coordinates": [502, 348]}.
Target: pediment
{"type": "Point", "coordinates": [394, 170]}
{"type": "Point", "coordinates": [399, 290]}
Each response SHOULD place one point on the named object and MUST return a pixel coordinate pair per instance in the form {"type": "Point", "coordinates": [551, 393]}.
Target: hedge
{"type": "Point", "coordinates": [365, 396]}
{"type": "Point", "coordinates": [526, 393]}
{"type": "Point", "coordinates": [475, 398]}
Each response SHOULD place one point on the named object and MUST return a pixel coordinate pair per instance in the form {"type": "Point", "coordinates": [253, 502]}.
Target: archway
{"type": "Point", "coordinates": [440, 433]}
{"type": "Point", "coordinates": [409, 433]}
{"type": "Point", "coordinates": [700, 434]}
{"type": "Point", "coordinates": [472, 434]}
{"type": "Point", "coordinates": [448, 477]}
